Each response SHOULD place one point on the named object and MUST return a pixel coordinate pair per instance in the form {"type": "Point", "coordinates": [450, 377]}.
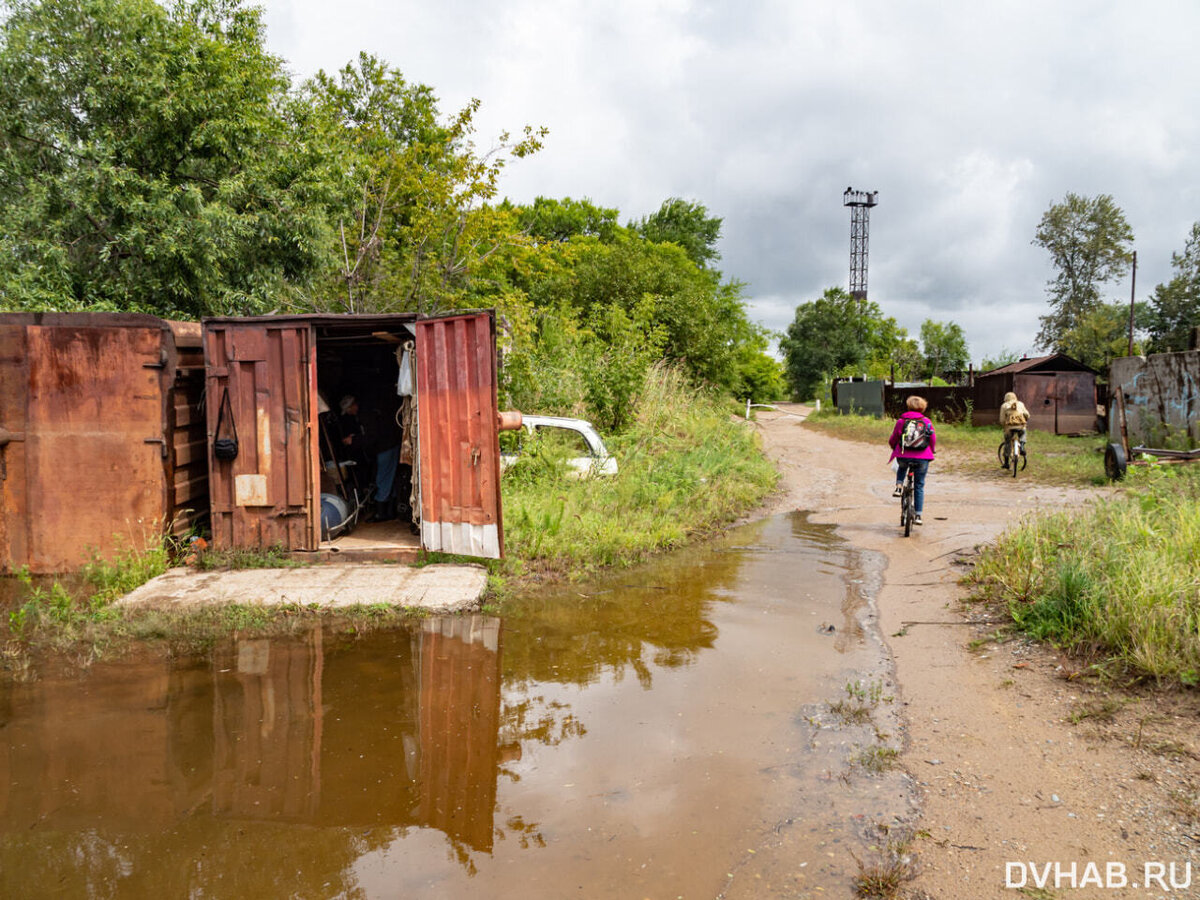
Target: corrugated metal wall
{"type": "Point", "coordinates": [459, 436]}
{"type": "Point", "coordinates": [265, 497]}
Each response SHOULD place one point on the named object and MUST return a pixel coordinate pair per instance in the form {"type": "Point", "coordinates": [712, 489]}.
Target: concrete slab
{"type": "Point", "coordinates": [438, 588]}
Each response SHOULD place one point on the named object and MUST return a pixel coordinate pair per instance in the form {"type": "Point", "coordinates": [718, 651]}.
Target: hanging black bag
{"type": "Point", "coordinates": [225, 447]}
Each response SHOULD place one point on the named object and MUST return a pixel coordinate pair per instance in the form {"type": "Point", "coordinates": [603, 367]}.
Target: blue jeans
{"type": "Point", "coordinates": [920, 467]}
{"type": "Point", "coordinates": [385, 473]}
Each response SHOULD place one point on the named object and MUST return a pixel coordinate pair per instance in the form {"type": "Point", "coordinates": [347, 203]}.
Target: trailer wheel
{"type": "Point", "coordinates": [1115, 463]}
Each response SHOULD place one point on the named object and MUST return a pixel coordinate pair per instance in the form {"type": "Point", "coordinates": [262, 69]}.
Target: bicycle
{"type": "Point", "coordinates": [1010, 453]}
{"type": "Point", "coordinates": [908, 502]}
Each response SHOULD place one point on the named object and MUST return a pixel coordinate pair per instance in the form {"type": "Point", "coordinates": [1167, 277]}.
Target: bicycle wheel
{"type": "Point", "coordinates": [909, 512]}
{"type": "Point", "coordinates": [1014, 455]}
{"type": "Point", "coordinates": [1000, 454]}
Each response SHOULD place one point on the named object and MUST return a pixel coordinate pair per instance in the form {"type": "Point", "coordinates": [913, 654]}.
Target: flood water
{"type": "Point", "coordinates": [663, 732]}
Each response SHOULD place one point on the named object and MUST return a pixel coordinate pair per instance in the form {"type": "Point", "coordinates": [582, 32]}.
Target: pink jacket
{"type": "Point", "coordinates": [894, 440]}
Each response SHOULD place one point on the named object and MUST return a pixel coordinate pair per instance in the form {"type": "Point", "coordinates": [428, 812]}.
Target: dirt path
{"type": "Point", "coordinates": [1018, 764]}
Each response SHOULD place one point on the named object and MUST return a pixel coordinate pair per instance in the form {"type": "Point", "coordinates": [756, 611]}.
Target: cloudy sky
{"type": "Point", "coordinates": [968, 118]}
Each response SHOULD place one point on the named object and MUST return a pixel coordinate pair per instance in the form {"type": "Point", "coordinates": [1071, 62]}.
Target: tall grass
{"type": "Point", "coordinates": [1117, 578]}
{"type": "Point", "coordinates": [685, 467]}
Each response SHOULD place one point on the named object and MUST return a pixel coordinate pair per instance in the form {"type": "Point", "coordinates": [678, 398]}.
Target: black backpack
{"type": "Point", "coordinates": [915, 435]}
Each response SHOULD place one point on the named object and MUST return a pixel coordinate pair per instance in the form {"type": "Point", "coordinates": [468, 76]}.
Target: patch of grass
{"type": "Point", "coordinates": [686, 468]}
{"type": "Point", "coordinates": [883, 878]}
{"type": "Point", "coordinates": [1100, 710]}
{"type": "Point", "coordinates": [246, 558]}
{"type": "Point", "coordinates": [851, 713]}
{"type": "Point", "coordinates": [1115, 580]}
{"type": "Point", "coordinates": [878, 758]}
{"type": "Point", "coordinates": [1053, 459]}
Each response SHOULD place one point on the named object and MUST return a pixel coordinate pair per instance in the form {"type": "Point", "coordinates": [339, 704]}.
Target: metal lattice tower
{"type": "Point", "coordinates": [860, 203]}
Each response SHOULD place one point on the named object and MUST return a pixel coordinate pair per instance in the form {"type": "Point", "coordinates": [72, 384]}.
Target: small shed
{"type": "Point", "coordinates": [282, 380]}
{"type": "Point", "coordinates": [102, 442]}
{"type": "Point", "coordinates": [1060, 393]}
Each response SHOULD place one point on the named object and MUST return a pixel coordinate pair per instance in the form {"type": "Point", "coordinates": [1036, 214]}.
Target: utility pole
{"type": "Point", "coordinates": [1132, 294]}
{"type": "Point", "coordinates": [860, 203]}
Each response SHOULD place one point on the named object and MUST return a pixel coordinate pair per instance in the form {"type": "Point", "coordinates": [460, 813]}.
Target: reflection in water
{"type": "Point", "coordinates": [637, 734]}
{"type": "Point", "coordinates": [308, 752]}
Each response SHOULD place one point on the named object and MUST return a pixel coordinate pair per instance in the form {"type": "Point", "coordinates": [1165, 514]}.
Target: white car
{"type": "Point", "coordinates": [592, 456]}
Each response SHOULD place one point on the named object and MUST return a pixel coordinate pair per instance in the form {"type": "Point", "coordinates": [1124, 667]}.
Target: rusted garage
{"type": "Point", "coordinates": [297, 392]}
{"type": "Point", "coordinates": [102, 441]}
{"type": "Point", "coordinates": [1059, 392]}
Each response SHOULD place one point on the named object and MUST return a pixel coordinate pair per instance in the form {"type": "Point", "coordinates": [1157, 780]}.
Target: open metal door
{"type": "Point", "coordinates": [458, 433]}
{"type": "Point", "coordinates": [266, 496]}
{"type": "Point", "coordinates": [82, 439]}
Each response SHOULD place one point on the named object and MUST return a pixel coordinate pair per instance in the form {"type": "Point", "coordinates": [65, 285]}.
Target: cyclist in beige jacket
{"type": "Point", "coordinates": [1014, 417]}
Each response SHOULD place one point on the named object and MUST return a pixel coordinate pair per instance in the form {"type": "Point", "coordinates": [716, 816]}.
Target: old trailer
{"type": "Point", "coordinates": [287, 384]}
{"type": "Point", "coordinates": [102, 441]}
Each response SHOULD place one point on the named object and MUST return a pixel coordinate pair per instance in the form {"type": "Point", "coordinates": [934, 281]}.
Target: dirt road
{"type": "Point", "coordinates": [1019, 764]}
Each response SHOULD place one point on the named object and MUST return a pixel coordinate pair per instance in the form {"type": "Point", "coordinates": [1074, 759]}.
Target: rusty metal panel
{"type": "Point", "coordinates": [265, 497]}
{"type": "Point", "coordinates": [459, 438]}
{"type": "Point", "coordinates": [89, 475]}
{"type": "Point", "coordinates": [14, 505]}
{"type": "Point", "coordinates": [1076, 401]}
{"type": "Point", "coordinates": [1038, 393]}
{"type": "Point", "coordinates": [1162, 398]}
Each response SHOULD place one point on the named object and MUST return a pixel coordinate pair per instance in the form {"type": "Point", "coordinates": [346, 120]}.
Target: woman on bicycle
{"type": "Point", "coordinates": [913, 442]}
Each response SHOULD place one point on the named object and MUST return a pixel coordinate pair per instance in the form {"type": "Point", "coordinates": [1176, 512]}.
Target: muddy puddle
{"type": "Point", "coordinates": [717, 724]}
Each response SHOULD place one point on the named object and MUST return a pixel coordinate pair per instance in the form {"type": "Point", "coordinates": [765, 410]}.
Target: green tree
{"type": "Point", "coordinates": [1174, 311]}
{"type": "Point", "coordinates": [1004, 358]}
{"type": "Point", "coordinates": [547, 219]}
{"type": "Point", "coordinates": [148, 160]}
{"type": "Point", "coordinates": [1090, 243]}
{"type": "Point", "coordinates": [414, 226]}
{"type": "Point", "coordinates": [944, 346]}
{"type": "Point", "coordinates": [1102, 334]}
{"type": "Point", "coordinates": [835, 335]}
{"type": "Point", "coordinates": [684, 223]}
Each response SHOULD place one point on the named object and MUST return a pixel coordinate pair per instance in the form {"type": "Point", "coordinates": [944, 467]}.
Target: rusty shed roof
{"type": "Point", "coordinates": [1055, 362]}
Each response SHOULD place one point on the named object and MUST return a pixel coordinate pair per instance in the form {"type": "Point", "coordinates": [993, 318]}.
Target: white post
{"type": "Point", "coordinates": [818, 404]}
{"type": "Point", "coordinates": [747, 407]}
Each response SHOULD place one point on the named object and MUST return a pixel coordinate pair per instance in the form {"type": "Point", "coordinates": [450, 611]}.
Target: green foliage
{"type": "Point", "coordinates": [68, 609]}
{"type": "Point", "coordinates": [685, 467]}
{"type": "Point", "coordinates": [619, 355]}
{"type": "Point", "coordinates": [412, 224]}
{"type": "Point", "coordinates": [1175, 306]}
{"type": "Point", "coordinates": [1117, 577]}
{"type": "Point", "coordinates": [686, 224]}
{"type": "Point", "coordinates": [1004, 358]}
{"type": "Point", "coordinates": [837, 335]}
{"type": "Point", "coordinates": [147, 161]}
{"type": "Point", "coordinates": [1090, 244]}
{"type": "Point", "coordinates": [1101, 334]}
{"type": "Point", "coordinates": [944, 346]}
{"type": "Point", "coordinates": [547, 219]}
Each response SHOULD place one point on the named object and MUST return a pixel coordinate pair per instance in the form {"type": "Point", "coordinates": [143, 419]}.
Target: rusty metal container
{"type": "Point", "coordinates": [281, 374]}
{"type": "Point", "coordinates": [101, 441]}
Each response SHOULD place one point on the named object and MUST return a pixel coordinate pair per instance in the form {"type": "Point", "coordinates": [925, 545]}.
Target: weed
{"type": "Point", "coordinates": [851, 713]}
{"type": "Point", "coordinates": [1103, 710]}
{"type": "Point", "coordinates": [1186, 805]}
{"type": "Point", "coordinates": [883, 878]}
{"type": "Point", "coordinates": [1116, 579]}
{"type": "Point", "coordinates": [877, 758]}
